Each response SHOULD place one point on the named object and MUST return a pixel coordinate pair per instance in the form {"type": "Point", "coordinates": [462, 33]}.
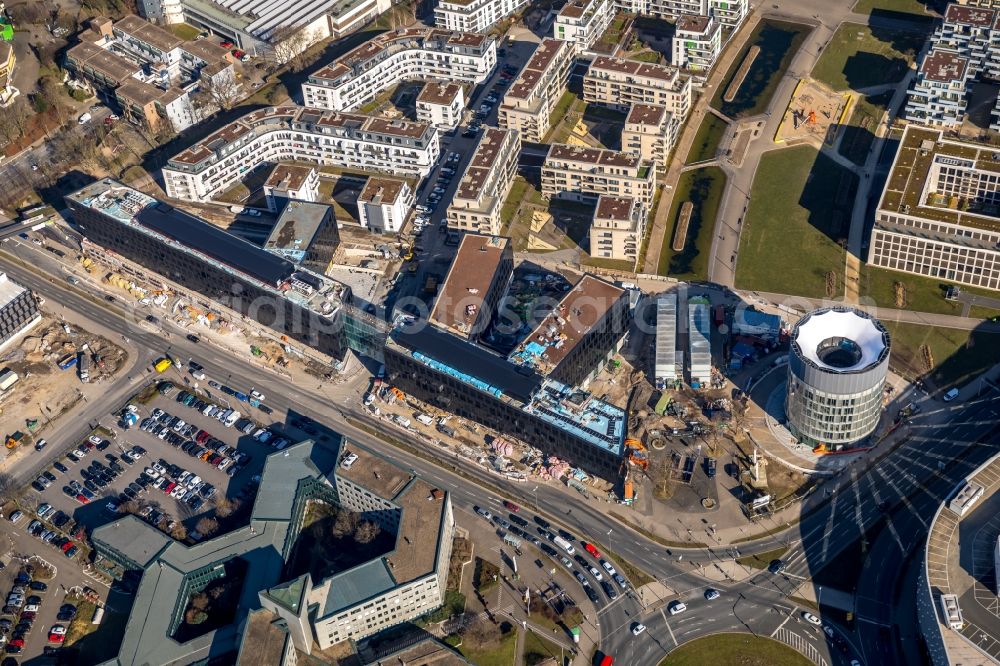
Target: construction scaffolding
{"type": "Point", "coordinates": [669, 363]}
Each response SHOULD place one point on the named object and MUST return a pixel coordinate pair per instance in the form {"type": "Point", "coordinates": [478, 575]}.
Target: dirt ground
{"type": "Point", "coordinates": [43, 390]}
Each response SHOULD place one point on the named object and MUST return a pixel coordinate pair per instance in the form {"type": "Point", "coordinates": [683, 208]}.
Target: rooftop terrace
{"type": "Point", "coordinates": [911, 188]}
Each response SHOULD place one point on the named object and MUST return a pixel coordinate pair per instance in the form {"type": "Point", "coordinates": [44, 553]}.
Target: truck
{"type": "Point", "coordinates": [163, 364]}
{"type": "Point", "coordinates": [83, 366]}
{"type": "Point", "coordinates": [564, 544]}
{"type": "Point", "coordinates": [710, 467]}
{"type": "Point", "coordinates": [424, 418]}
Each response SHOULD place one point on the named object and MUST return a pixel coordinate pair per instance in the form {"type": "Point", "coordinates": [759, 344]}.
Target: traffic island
{"type": "Point", "coordinates": [734, 650]}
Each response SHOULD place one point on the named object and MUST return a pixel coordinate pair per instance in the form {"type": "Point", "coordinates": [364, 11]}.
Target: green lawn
{"type": "Point", "coordinates": [184, 31]}
{"type": "Point", "coordinates": [761, 560]}
{"type": "Point", "coordinates": [702, 187]}
{"type": "Point", "coordinates": [537, 649]}
{"type": "Point", "coordinates": [800, 204]}
{"type": "Point", "coordinates": [901, 6]}
{"type": "Point", "coordinates": [921, 294]}
{"type": "Point", "coordinates": [502, 655]}
{"type": "Point", "coordinates": [857, 57]}
{"type": "Point", "coordinates": [957, 356]}
{"type": "Point", "coordinates": [706, 141]}
{"type": "Point", "coordinates": [859, 133]}
{"type": "Point", "coordinates": [734, 650]}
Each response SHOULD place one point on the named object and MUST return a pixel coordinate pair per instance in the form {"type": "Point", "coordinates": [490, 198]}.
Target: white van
{"type": "Point", "coordinates": [232, 418]}
{"type": "Point", "coordinates": [402, 420]}
{"type": "Point", "coordinates": [565, 545]}
{"type": "Point", "coordinates": [950, 395]}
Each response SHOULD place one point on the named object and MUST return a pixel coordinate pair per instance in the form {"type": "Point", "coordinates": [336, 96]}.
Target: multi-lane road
{"type": "Point", "coordinates": [901, 490]}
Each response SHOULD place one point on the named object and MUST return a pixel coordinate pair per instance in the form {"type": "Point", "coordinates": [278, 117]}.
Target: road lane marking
{"type": "Point", "coordinates": [671, 631]}
{"type": "Point", "coordinates": [787, 618]}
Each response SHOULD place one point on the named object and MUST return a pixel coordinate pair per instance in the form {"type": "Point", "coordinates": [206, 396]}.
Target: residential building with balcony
{"type": "Point", "coordinates": [696, 44]}
{"type": "Point", "coordinates": [152, 74]}
{"type": "Point", "coordinates": [384, 204]}
{"type": "Point", "coordinates": [620, 83]}
{"type": "Point", "coordinates": [290, 182]}
{"type": "Point", "coordinates": [617, 229]}
{"type": "Point", "coordinates": [484, 185]}
{"type": "Point", "coordinates": [938, 95]}
{"type": "Point", "coordinates": [584, 174]}
{"type": "Point", "coordinates": [474, 15]}
{"type": "Point", "coordinates": [582, 22]}
{"type": "Point", "coordinates": [299, 134]}
{"type": "Point", "coordinates": [528, 103]}
{"type": "Point", "coordinates": [729, 13]}
{"type": "Point", "coordinates": [650, 132]}
{"type": "Point", "coordinates": [361, 75]}
{"type": "Point", "coordinates": [938, 214]}
{"type": "Point", "coordinates": [441, 104]}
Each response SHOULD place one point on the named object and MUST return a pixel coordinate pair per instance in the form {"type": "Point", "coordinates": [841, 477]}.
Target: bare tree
{"type": "Point", "coordinates": [366, 531]}
{"type": "Point", "coordinates": [290, 44]}
{"type": "Point", "coordinates": [179, 532]}
{"type": "Point", "coordinates": [8, 487]}
{"type": "Point", "coordinates": [481, 632]}
{"type": "Point", "coordinates": [346, 523]}
{"type": "Point", "coordinates": [224, 507]}
{"type": "Point", "coordinates": [207, 526]}
{"type": "Point", "coordinates": [213, 95]}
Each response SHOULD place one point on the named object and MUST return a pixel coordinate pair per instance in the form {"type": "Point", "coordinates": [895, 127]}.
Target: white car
{"type": "Point", "coordinates": [175, 493]}
{"type": "Point", "coordinates": [677, 607]}
{"type": "Point", "coordinates": [94, 439]}
{"type": "Point", "coordinates": [638, 628]}
{"type": "Point", "coordinates": [159, 468]}
{"type": "Point", "coordinates": [828, 631]}
{"type": "Point", "coordinates": [811, 619]}
{"type": "Point", "coordinates": [80, 453]}
{"type": "Point", "coordinates": [58, 629]}
{"type": "Point", "coordinates": [193, 481]}
{"type": "Point", "coordinates": [152, 472]}
{"type": "Point", "coordinates": [607, 567]}
{"type": "Point", "coordinates": [31, 608]}
{"type": "Point", "coordinates": [257, 395]}
{"type": "Point", "coordinates": [595, 573]}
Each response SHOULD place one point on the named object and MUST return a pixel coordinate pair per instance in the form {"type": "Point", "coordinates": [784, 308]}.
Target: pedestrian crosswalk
{"type": "Point", "coordinates": [801, 645]}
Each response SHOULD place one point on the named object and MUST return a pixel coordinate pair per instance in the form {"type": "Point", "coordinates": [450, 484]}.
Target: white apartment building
{"type": "Point", "coordinates": [441, 104]}
{"type": "Point", "coordinates": [617, 230]}
{"type": "Point", "coordinates": [620, 83]}
{"type": "Point", "coordinates": [384, 204]}
{"type": "Point", "coordinates": [582, 22]}
{"type": "Point", "coordinates": [938, 215]}
{"type": "Point", "coordinates": [938, 95]}
{"type": "Point", "coordinates": [730, 13]}
{"type": "Point", "coordinates": [485, 183]}
{"type": "Point", "coordinates": [962, 50]}
{"type": "Point", "coordinates": [527, 106]}
{"type": "Point", "coordinates": [299, 134]}
{"type": "Point", "coordinates": [697, 44]}
{"type": "Point", "coordinates": [359, 76]}
{"type": "Point", "coordinates": [650, 133]}
{"type": "Point", "coordinates": [584, 174]}
{"type": "Point", "coordinates": [288, 182]}
{"type": "Point", "coordinates": [474, 15]}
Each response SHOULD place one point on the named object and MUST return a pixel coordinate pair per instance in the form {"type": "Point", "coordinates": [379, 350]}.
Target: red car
{"type": "Point", "coordinates": [18, 642]}
{"type": "Point", "coordinates": [56, 638]}
{"type": "Point", "coordinates": [511, 506]}
{"type": "Point", "coordinates": [589, 547]}
{"type": "Point", "coordinates": [82, 500]}
{"type": "Point", "coordinates": [238, 54]}
{"type": "Point", "coordinates": [226, 44]}
{"type": "Point", "coordinates": [66, 546]}
{"type": "Point", "coordinates": [170, 486]}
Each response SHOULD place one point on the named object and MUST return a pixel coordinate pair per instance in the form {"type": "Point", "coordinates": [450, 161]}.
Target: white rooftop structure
{"type": "Point", "coordinates": [858, 339]}
{"type": "Point", "coordinates": [9, 290]}
{"type": "Point", "coordinates": [700, 343]}
{"type": "Point", "coordinates": [669, 364]}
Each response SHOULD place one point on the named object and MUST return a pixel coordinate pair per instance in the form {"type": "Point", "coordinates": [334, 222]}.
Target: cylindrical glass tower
{"type": "Point", "coordinates": [836, 372]}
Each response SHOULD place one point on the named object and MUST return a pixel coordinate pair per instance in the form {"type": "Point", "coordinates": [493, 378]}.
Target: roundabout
{"type": "Point", "coordinates": [734, 649]}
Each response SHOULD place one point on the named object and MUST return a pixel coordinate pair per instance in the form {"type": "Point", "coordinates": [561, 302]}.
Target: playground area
{"type": "Point", "coordinates": [814, 115]}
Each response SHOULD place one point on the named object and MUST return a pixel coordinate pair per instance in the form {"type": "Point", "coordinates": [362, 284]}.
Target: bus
{"type": "Point", "coordinates": [163, 364]}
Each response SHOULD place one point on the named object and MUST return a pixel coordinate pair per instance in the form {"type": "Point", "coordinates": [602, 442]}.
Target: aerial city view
{"type": "Point", "coordinates": [500, 332]}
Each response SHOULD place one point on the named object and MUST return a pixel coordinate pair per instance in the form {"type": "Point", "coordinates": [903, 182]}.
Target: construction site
{"type": "Point", "coordinates": [46, 373]}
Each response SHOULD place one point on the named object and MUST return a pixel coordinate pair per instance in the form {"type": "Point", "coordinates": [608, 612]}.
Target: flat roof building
{"type": "Point", "coordinates": [571, 344]}
{"type": "Point", "coordinates": [476, 281]}
{"type": "Point", "coordinates": [938, 214]}
{"type": "Point", "coordinates": [384, 204]}
{"type": "Point", "coordinates": [584, 174]}
{"type": "Point", "coordinates": [619, 83]}
{"type": "Point", "coordinates": [582, 22]}
{"type": "Point", "coordinates": [297, 133]}
{"type": "Point", "coordinates": [474, 15]}
{"type": "Point", "coordinates": [305, 234]}
{"type": "Point", "coordinates": [290, 300]}
{"type": "Point", "coordinates": [617, 229]}
{"type": "Point", "coordinates": [272, 610]}
{"type": "Point", "coordinates": [362, 74]}
{"type": "Point", "coordinates": [441, 104]}
{"type": "Point", "coordinates": [18, 310]}
{"type": "Point", "coordinates": [290, 182]}
{"type": "Point", "coordinates": [484, 185]}
{"type": "Point", "coordinates": [528, 103]}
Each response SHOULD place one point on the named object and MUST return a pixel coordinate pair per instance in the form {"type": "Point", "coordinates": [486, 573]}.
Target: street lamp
{"type": "Point", "coordinates": [535, 492]}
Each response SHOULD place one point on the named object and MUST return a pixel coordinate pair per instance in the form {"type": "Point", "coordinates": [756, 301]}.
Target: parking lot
{"type": "Point", "coordinates": [171, 466]}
